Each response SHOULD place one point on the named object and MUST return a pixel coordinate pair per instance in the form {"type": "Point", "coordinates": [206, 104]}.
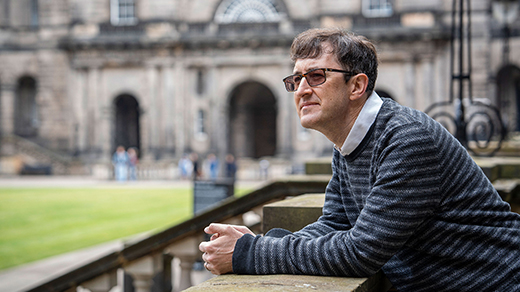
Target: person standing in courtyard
{"type": "Point", "coordinates": [231, 167]}
{"type": "Point", "coordinates": [120, 161]}
{"type": "Point", "coordinates": [133, 160]}
{"type": "Point", "coordinates": [405, 197]}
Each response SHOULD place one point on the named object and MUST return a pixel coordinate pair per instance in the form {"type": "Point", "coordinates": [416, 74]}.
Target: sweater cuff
{"type": "Point", "coordinates": [278, 232]}
{"type": "Point", "coordinates": [243, 255]}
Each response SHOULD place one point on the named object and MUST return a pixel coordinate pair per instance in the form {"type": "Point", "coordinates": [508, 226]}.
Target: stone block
{"type": "Point", "coordinates": [319, 166]}
{"type": "Point", "coordinates": [293, 214]}
{"type": "Point", "coordinates": [510, 171]}
{"type": "Point", "coordinates": [229, 283]}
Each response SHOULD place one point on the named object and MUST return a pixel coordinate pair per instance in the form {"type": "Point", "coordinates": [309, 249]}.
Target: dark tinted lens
{"type": "Point", "coordinates": [316, 77]}
{"type": "Point", "coordinates": [292, 82]}
{"type": "Point", "coordinates": [289, 83]}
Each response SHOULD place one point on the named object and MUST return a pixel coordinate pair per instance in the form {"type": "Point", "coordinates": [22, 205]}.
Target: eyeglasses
{"type": "Point", "coordinates": [314, 77]}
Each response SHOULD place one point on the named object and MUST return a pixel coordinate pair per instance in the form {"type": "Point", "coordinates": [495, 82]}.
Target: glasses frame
{"type": "Point", "coordinates": [350, 73]}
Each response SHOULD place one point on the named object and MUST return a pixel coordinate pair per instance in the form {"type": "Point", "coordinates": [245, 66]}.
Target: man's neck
{"type": "Point", "coordinates": [339, 133]}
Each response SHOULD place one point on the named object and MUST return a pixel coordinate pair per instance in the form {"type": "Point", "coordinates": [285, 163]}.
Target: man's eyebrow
{"type": "Point", "coordinates": [308, 69]}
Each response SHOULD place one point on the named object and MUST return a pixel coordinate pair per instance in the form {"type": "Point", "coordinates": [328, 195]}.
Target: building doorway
{"type": "Point", "coordinates": [26, 119]}
{"type": "Point", "coordinates": [252, 121]}
{"type": "Point", "coordinates": [126, 128]}
{"type": "Point", "coordinates": [508, 96]}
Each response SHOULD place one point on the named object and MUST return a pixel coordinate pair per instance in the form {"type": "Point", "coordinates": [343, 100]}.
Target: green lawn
{"type": "Point", "coordinates": [38, 223]}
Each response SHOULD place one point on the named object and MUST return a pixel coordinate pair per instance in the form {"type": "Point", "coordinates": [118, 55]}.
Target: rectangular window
{"type": "Point", "coordinates": [200, 82]}
{"type": "Point", "coordinates": [377, 8]}
{"type": "Point", "coordinates": [122, 12]}
{"type": "Point", "coordinates": [21, 13]}
{"type": "Point", "coordinates": [34, 13]}
{"type": "Point", "coordinates": [200, 123]}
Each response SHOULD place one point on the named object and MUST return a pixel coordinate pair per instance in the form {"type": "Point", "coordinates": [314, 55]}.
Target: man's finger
{"type": "Point", "coordinates": [215, 228]}
{"type": "Point", "coordinates": [202, 246]}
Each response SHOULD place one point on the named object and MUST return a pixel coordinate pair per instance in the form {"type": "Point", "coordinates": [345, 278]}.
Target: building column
{"type": "Point", "coordinates": [180, 105]}
{"type": "Point", "coordinates": [93, 111]}
{"type": "Point", "coordinates": [79, 101]}
{"type": "Point", "coordinates": [410, 83]}
{"type": "Point", "coordinates": [428, 87]}
{"type": "Point", "coordinates": [7, 96]}
{"type": "Point", "coordinates": [149, 122]}
{"type": "Point", "coordinates": [169, 110]}
{"type": "Point", "coordinates": [285, 118]}
{"type": "Point", "coordinates": [106, 117]}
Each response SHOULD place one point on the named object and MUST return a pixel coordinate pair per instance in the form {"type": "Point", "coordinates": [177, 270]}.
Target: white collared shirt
{"type": "Point", "coordinates": [363, 122]}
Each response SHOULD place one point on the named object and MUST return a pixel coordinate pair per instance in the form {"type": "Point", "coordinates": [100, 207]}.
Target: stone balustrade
{"type": "Point", "coordinates": [293, 214]}
{"type": "Point", "coordinates": [165, 261]}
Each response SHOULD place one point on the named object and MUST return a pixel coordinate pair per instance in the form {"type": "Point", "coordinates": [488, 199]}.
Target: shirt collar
{"type": "Point", "coordinates": [363, 122]}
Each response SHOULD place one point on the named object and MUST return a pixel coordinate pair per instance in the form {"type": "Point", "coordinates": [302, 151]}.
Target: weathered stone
{"type": "Point", "coordinates": [230, 283]}
{"type": "Point", "coordinates": [318, 166]}
{"type": "Point", "coordinates": [293, 214]}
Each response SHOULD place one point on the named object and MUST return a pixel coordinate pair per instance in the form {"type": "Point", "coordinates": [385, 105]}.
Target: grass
{"type": "Point", "coordinates": [38, 223]}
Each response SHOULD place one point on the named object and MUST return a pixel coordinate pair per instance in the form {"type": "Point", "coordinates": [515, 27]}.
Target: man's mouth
{"type": "Point", "coordinates": [307, 105]}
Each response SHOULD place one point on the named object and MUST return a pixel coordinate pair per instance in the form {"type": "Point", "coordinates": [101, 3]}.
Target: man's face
{"type": "Point", "coordinates": [322, 107]}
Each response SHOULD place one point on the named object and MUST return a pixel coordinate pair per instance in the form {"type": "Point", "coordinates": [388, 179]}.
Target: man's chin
{"type": "Point", "coordinates": [307, 123]}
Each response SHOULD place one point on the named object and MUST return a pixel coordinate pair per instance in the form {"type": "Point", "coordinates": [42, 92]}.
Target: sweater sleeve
{"type": "Point", "coordinates": [403, 195]}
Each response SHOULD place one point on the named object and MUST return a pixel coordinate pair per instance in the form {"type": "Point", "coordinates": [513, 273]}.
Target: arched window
{"type": "Point", "coordinates": [26, 121]}
{"type": "Point", "coordinates": [231, 11]}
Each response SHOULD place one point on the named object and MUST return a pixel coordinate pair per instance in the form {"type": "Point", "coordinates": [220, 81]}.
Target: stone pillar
{"type": "Point", "coordinates": [428, 78]}
{"type": "Point", "coordinates": [181, 106]}
{"type": "Point", "coordinates": [106, 117]}
{"type": "Point", "coordinates": [143, 270]}
{"type": "Point", "coordinates": [161, 110]}
{"type": "Point", "coordinates": [79, 102]}
{"type": "Point", "coordinates": [169, 110]}
{"type": "Point", "coordinates": [410, 83]}
{"type": "Point", "coordinates": [150, 136]}
{"type": "Point", "coordinates": [101, 283]}
{"type": "Point", "coordinates": [186, 267]}
{"type": "Point", "coordinates": [92, 109]}
{"type": "Point", "coordinates": [187, 251]}
{"type": "Point", "coordinates": [7, 96]}
{"type": "Point", "coordinates": [285, 122]}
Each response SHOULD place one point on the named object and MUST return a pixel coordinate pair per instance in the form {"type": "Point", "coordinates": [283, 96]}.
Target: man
{"type": "Point", "coordinates": [405, 197]}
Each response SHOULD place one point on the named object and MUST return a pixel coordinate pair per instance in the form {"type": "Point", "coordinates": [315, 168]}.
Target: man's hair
{"type": "Point", "coordinates": [354, 52]}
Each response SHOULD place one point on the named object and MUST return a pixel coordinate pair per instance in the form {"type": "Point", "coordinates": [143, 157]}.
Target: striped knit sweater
{"type": "Point", "coordinates": [410, 201]}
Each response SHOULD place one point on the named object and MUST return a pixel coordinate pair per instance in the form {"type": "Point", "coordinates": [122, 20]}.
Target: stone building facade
{"type": "Point", "coordinates": [79, 78]}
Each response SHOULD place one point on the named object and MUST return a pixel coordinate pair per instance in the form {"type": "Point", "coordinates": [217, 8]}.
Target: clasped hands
{"type": "Point", "coordinates": [218, 252]}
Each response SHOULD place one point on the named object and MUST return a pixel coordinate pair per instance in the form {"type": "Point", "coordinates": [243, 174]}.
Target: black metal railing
{"type": "Point", "coordinates": [477, 125]}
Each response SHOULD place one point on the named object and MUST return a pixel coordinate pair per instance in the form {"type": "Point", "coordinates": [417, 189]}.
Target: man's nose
{"type": "Point", "coordinates": [303, 87]}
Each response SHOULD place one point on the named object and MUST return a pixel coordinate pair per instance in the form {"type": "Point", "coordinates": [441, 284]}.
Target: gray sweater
{"type": "Point", "coordinates": [410, 201]}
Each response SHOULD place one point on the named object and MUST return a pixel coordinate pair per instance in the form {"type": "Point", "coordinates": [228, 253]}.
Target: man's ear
{"type": "Point", "coordinates": [359, 85]}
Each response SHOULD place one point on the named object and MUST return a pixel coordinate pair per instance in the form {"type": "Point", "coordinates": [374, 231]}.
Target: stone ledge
{"type": "Point", "coordinates": [376, 283]}
{"type": "Point", "coordinates": [293, 213]}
